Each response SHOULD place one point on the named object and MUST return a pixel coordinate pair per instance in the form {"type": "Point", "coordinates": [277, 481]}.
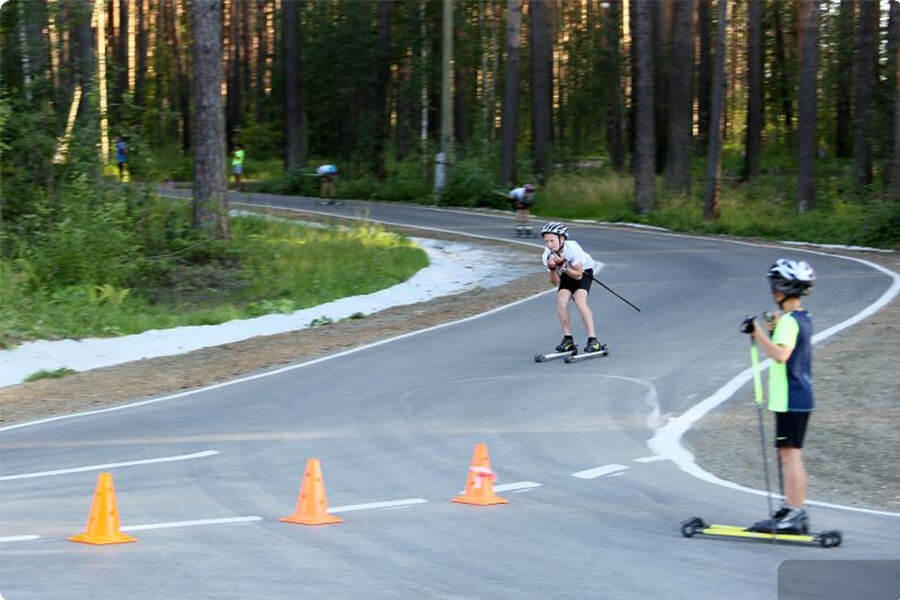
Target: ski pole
{"type": "Point", "coordinates": [758, 398]}
{"type": "Point", "coordinates": [608, 289]}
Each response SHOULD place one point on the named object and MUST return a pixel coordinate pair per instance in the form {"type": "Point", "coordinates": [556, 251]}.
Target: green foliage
{"type": "Point", "coordinates": [56, 374]}
{"type": "Point", "coordinates": [472, 184]}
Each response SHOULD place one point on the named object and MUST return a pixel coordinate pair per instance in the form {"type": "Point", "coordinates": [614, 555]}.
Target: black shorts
{"type": "Point", "coordinates": [790, 429]}
{"type": "Point", "coordinates": [567, 283]}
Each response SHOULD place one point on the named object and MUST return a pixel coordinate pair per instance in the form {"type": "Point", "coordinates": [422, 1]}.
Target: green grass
{"type": "Point", "coordinates": [56, 374]}
{"type": "Point", "coordinates": [268, 267]}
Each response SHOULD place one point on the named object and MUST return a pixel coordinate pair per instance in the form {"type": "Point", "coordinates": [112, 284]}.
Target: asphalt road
{"type": "Point", "coordinates": [397, 423]}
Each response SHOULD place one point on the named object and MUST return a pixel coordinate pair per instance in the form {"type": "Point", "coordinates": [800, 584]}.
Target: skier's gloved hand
{"type": "Point", "coordinates": [747, 325]}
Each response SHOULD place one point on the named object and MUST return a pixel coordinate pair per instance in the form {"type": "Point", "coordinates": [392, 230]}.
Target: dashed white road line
{"type": "Point", "coordinates": [190, 523]}
{"type": "Point", "coordinates": [517, 486]}
{"type": "Point", "coordinates": [130, 463]}
{"type": "Point", "coordinates": [370, 505]}
{"type": "Point", "coordinates": [599, 471]}
{"type": "Point", "coordinates": [18, 538]}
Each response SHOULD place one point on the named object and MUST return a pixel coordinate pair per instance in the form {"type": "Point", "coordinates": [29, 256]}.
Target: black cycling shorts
{"type": "Point", "coordinates": [790, 429]}
{"type": "Point", "coordinates": [567, 283]}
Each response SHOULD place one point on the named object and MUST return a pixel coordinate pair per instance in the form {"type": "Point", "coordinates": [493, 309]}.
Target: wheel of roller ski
{"type": "Point", "coordinates": [692, 526]}
{"type": "Point", "coordinates": [830, 539]}
{"type": "Point", "coordinates": [538, 358]}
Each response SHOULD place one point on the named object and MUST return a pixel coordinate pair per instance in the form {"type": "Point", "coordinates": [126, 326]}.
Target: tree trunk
{"type": "Point", "coordinates": [510, 126]}
{"type": "Point", "coordinates": [405, 108]}
{"type": "Point", "coordinates": [704, 75]}
{"type": "Point", "coordinates": [141, 69]}
{"type": "Point", "coordinates": [753, 140]}
{"type": "Point", "coordinates": [711, 205]}
{"type": "Point", "coordinates": [890, 155]}
{"type": "Point", "coordinates": [645, 134]}
{"type": "Point", "coordinates": [382, 117]}
{"type": "Point", "coordinates": [293, 134]}
{"type": "Point", "coordinates": [460, 115]}
{"type": "Point", "coordinates": [844, 92]}
{"type": "Point", "coordinates": [614, 108]}
{"type": "Point", "coordinates": [894, 176]}
{"type": "Point", "coordinates": [784, 85]}
{"type": "Point", "coordinates": [541, 86]}
{"type": "Point", "coordinates": [865, 83]}
{"type": "Point", "coordinates": [806, 103]}
{"type": "Point", "coordinates": [210, 201]}
{"type": "Point", "coordinates": [678, 156]}
{"type": "Point", "coordinates": [662, 39]}
{"type": "Point", "coordinates": [262, 54]}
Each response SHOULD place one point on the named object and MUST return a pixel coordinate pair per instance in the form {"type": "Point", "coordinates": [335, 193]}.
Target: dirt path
{"type": "Point", "coordinates": [852, 450]}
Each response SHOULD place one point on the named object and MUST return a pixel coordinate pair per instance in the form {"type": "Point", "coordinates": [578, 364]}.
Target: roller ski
{"type": "Point", "coordinates": [565, 349]}
{"type": "Point", "coordinates": [524, 231]}
{"type": "Point", "coordinates": [794, 535]}
{"type": "Point", "coordinates": [593, 349]}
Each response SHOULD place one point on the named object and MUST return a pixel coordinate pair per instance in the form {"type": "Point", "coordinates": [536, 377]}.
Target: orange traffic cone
{"type": "Point", "coordinates": [480, 483]}
{"type": "Point", "coordinates": [103, 520]}
{"type": "Point", "coordinates": [312, 508]}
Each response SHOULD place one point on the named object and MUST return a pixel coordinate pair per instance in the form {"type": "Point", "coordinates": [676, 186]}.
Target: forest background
{"type": "Point", "coordinates": [767, 118]}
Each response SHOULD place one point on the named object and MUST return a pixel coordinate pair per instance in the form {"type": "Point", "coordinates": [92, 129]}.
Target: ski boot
{"type": "Point", "coordinates": [593, 346]}
{"type": "Point", "coordinates": [567, 344]}
{"type": "Point", "coordinates": [785, 520]}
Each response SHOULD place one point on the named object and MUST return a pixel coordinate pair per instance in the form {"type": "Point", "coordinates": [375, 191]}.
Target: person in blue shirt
{"type": "Point", "coordinates": [121, 156]}
{"type": "Point", "coordinates": [790, 386]}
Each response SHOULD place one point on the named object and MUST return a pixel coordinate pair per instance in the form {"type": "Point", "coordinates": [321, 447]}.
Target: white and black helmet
{"type": "Point", "coordinates": [791, 277]}
{"type": "Point", "coordinates": [556, 228]}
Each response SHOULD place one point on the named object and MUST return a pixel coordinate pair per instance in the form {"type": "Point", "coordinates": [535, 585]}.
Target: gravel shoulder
{"type": "Point", "coordinates": [852, 449]}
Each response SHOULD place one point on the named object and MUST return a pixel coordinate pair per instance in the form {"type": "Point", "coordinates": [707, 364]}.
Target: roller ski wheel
{"type": "Point", "coordinates": [539, 358]}
{"type": "Point", "coordinates": [692, 526]}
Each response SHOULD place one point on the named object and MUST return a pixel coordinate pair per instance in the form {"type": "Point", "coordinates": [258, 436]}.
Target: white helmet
{"type": "Point", "coordinates": [557, 228]}
{"type": "Point", "coordinates": [791, 277]}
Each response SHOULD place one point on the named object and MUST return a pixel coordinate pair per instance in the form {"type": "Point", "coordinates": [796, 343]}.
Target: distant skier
{"type": "Point", "coordinates": [572, 270]}
{"type": "Point", "coordinates": [790, 386]}
{"type": "Point", "coordinates": [327, 174]}
{"type": "Point", "coordinates": [522, 198]}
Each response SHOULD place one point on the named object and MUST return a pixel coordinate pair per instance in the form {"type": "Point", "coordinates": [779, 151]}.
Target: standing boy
{"type": "Point", "coordinates": [572, 270]}
{"type": "Point", "coordinates": [522, 198]}
{"type": "Point", "coordinates": [790, 387]}
{"type": "Point", "coordinates": [237, 165]}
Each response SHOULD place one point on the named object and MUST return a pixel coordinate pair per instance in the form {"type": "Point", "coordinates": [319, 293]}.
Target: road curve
{"type": "Point", "coordinates": [203, 478]}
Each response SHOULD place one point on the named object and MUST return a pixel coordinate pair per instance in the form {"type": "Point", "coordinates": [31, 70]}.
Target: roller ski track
{"type": "Point", "coordinates": [696, 526]}
{"type": "Point", "coordinates": [571, 356]}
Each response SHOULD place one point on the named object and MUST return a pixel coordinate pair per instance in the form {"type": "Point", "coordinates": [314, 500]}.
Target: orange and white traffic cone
{"type": "Point", "coordinates": [103, 520]}
{"type": "Point", "coordinates": [312, 508]}
{"type": "Point", "coordinates": [480, 483]}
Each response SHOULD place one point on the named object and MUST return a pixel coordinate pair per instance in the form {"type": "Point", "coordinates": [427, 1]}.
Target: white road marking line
{"type": "Point", "coordinates": [387, 504]}
{"type": "Point", "coordinates": [599, 471]}
{"type": "Point", "coordinates": [148, 461]}
{"type": "Point", "coordinates": [189, 523]}
{"type": "Point", "coordinates": [18, 538]}
{"type": "Point", "coordinates": [518, 485]}
{"type": "Point", "coordinates": [650, 459]}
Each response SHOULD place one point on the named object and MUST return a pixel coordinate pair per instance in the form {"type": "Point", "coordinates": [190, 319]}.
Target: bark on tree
{"type": "Point", "coordinates": [141, 49]}
{"type": "Point", "coordinates": [704, 75]}
{"type": "Point", "coordinates": [614, 107]}
{"type": "Point", "coordinates": [541, 87]}
{"type": "Point", "coordinates": [678, 156]}
{"type": "Point", "coordinates": [711, 205]}
{"type": "Point", "coordinates": [753, 140]}
{"type": "Point", "coordinates": [645, 130]}
{"type": "Point", "coordinates": [806, 104]}
{"type": "Point", "coordinates": [865, 84]}
{"type": "Point", "coordinates": [210, 201]}
{"type": "Point", "coordinates": [784, 85]}
{"type": "Point", "coordinates": [844, 92]}
{"type": "Point", "coordinates": [381, 91]}
{"type": "Point", "coordinates": [895, 171]}
{"type": "Point", "coordinates": [294, 133]}
{"type": "Point", "coordinates": [510, 126]}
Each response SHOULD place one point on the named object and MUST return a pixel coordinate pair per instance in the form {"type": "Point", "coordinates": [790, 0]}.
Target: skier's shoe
{"type": "Point", "coordinates": [593, 346]}
{"type": "Point", "coordinates": [785, 520]}
{"type": "Point", "coordinates": [566, 345]}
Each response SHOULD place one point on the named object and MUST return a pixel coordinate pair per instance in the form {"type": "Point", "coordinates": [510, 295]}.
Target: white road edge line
{"type": "Point", "coordinates": [171, 524]}
{"type": "Point", "coordinates": [131, 463]}
{"type": "Point", "coordinates": [650, 459]}
{"type": "Point", "coordinates": [666, 442]}
{"type": "Point", "coordinates": [18, 538]}
{"type": "Point", "coordinates": [599, 471]}
{"type": "Point", "coordinates": [371, 505]}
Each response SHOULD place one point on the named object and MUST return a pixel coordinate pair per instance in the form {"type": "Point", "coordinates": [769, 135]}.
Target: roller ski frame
{"type": "Point", "coordinates": [524, 231]}
{"type": "Point", "coordinates": [554, 355]}
{"type": "Point", "coordinates": [696, 525]}
{"type": "Point", "coordinates": [604, 351]}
